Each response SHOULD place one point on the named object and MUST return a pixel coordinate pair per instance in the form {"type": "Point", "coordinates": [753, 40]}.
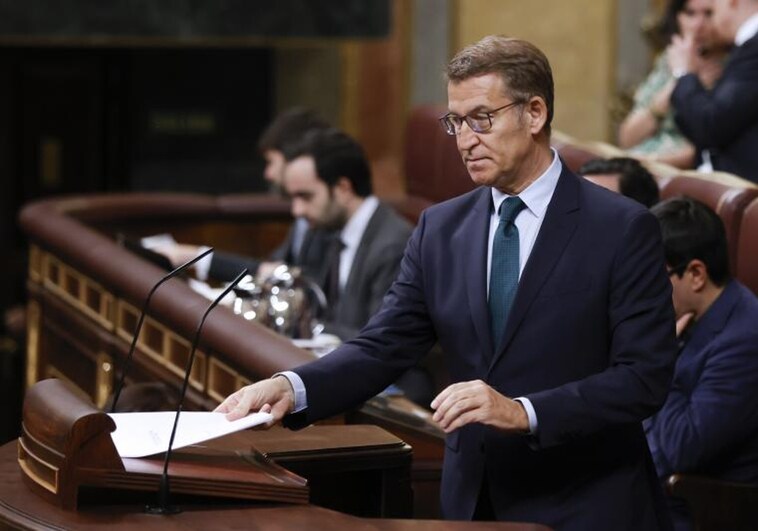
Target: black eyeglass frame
{"type": "Point", "coordinates": [452, 128]}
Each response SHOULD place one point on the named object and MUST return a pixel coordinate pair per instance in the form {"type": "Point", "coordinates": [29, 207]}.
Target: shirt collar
{"type": "Point", "coordinates": [537, 195]}
{"type": "Point", "coordinates": [353, 230]}
{"type": "Point", "coordinates": [747, 30]}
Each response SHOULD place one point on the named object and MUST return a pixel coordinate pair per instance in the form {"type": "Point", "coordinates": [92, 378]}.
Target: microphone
{"type": "Point", "coordinates": [163, 506]}
{"type": "Point", "coordinates": [130, 355]}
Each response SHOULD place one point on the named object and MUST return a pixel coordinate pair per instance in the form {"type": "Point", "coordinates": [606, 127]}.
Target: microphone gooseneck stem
{"type": "Point", "coordinates": [135, 337]}
{"type": "Point", "coordinates": [165, 487]}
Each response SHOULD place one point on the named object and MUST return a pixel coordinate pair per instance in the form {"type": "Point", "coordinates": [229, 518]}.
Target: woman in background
{"type": "Point", "coordinates": [649, 131]}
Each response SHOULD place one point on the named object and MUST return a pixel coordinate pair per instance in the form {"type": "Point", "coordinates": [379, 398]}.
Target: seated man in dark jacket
{"type": "Point", "coordinates": [329, 180]}
{"type": "Point", "coordinates": [709, 422]}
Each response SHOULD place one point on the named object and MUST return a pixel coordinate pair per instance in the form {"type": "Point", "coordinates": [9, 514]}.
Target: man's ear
{"type": "Point", "coordinates": [536, 113]}
{"type": "Point", "coordinates": [699, 275]}
{"type": "Point", "coordinates": [343, 187]}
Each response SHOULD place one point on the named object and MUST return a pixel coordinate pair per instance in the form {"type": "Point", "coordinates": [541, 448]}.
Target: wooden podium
{"type": "Point", "coordinates": [65, 446]}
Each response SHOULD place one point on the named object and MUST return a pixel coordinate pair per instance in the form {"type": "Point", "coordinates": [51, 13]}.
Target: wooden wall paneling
{"type": "Point", "coordinates": [375, 83]}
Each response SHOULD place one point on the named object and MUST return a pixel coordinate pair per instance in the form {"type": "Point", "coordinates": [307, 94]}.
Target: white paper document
{"type": "Point", "coordinates": [143, 434]}
{"type": "Point", "coordinates": [158, 240]}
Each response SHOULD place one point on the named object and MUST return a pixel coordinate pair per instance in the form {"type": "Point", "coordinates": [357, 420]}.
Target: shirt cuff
{"type": "Point", "coordinates": [203, 266]}
{"type": "Point", "coordinates": [530, 413]}
{"type": "Point", "coordinates": [301, 401]}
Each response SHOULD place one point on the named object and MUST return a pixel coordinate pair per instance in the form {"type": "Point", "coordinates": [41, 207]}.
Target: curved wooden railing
{"type": "Point", "coordinates": [86, 292]}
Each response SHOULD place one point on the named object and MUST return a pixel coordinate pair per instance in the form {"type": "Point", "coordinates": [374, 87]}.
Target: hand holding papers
{"type": "Point", "coordinates": [143, 434]}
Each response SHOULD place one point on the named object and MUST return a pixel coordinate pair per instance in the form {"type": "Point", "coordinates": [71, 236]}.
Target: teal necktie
{"type": "Point", "coordinates": [505, 266]}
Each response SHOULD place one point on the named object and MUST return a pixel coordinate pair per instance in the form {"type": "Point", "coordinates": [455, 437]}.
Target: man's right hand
{"type": "Point", "coordinates": [178, 253]}
{"type": "Point", "coordinates": [274, 396]}
{"type": "Point", "coordinates": [266, 269]}
{"type": "Point", "coordinates": [683, 322]}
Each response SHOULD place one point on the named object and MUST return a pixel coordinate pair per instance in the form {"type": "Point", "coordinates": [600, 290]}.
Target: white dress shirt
{"type": "Point", "coordinates": [747, 30]}
{"type": "Point", "coordinates": [299, 230]}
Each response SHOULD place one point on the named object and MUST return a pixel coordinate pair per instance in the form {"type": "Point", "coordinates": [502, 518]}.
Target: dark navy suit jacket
{"type": "Point", "coordinates": [709, 422]}
{"type": "Point", "coordinates": [724, 120]}
{"type": "Point", "coordinates": [589, 340]}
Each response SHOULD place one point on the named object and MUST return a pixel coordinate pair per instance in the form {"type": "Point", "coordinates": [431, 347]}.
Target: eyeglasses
{"type": "Point", "coordinates": [480, 122]}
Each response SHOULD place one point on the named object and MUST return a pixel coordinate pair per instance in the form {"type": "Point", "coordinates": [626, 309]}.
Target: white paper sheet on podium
{"type": "Point", "coordinates": [143, 434]}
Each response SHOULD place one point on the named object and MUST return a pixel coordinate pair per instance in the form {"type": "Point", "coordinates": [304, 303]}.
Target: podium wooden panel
{"type": "Point", "coordinates": [66, 448]}
{"type": "Point", "coordinates": [359, 469]}
{"type": "Point", "coordinates": [20, 508]}
{"type": "Point", "coordinates": [65, 451]}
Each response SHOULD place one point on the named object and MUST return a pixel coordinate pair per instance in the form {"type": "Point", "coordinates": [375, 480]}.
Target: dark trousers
{"type": "Point", "coordinates": [484, 510]}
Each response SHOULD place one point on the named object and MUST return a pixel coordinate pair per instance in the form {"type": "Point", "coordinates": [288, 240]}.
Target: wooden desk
{"type": "Point", "coordinates": [22, 509]}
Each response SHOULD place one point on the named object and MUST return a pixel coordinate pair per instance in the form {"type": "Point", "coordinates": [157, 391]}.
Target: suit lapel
{"type": "Point", "coordinates": [561, 218]}
{"type": "Point", "coordinates": [475, 233]}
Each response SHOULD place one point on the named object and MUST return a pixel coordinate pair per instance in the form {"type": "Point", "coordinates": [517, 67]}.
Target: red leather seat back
{"type": "Point", "coordinates": [434, 170]}
{"type": "Point", "coordinates": [727, 201]}
{"type": "Point", "coordinates": [746, 269]}
{"type": "Point", "coordinates": [574, 156]}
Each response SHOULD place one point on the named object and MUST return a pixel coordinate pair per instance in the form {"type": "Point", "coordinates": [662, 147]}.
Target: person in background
{"type": "Point", "coordinates": [288, 128]}
{"type": "Point", "coordinates": [623, 175]}
{"type": "Point", "coordinates": [302, 247]}
{"type": "Point", "coordinates": [709, 423]}
{"type": "Point", "coordinates": [550, 300]}
{"type": "Point", "coordinates": [721, 121]}
{"type": "Point", "coordinates": [328, 179]}
{"type": "Point", "coordinates": [649, 131]}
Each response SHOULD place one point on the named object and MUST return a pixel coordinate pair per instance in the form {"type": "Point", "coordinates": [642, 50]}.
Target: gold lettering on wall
{"type": "Point", "coordinates": [182, 123]}
{"type": "Point", "coordinates": [50, 162]}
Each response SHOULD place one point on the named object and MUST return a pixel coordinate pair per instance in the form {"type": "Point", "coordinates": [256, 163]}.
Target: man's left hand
{"type": "Point", "coordinates": [476, 402]}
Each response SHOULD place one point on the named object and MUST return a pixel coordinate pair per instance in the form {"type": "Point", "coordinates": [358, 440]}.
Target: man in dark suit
{"type": "Point", "coordinates": [554, 313]}
{"type": "Point", "coordinates": [328, 179]}
{"type": "Point", "coordinates": [722, 122]}
{"type": "Point", "coordinates": [709, 422]}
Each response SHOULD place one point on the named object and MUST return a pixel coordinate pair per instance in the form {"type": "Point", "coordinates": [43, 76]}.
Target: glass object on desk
{"type": "Point", "coordinates": [287, 301]}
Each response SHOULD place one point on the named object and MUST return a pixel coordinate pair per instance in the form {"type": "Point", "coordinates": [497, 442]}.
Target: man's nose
{"type": "Point", "coordinates": [297, 208]}
{"type": "Point", "coordinates": [466, 138]}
